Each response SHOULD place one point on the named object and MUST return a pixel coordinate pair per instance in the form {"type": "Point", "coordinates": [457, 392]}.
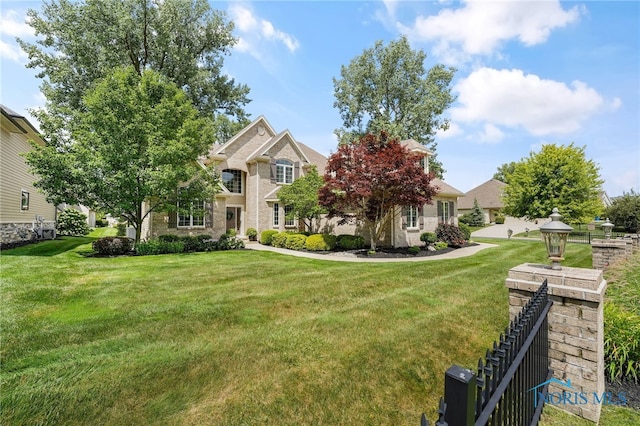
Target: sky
{"type": "Point", "coordinates": [529, 73]}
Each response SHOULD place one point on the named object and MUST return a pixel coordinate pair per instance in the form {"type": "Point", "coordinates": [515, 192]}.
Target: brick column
{"type": "Point", "coordinates": [607, 252]}
{"type": "Point", "coordinates": [576, 329]}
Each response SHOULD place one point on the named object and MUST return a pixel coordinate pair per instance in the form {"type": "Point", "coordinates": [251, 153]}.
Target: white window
{"type": "Point", "coordinates": [191, 216]}
{"type": "Point", "coordinates": [445, 211]}
{"type": "Point", "coordinates": [276, 215]}
{"type": "Point", "coordinates": [411, 216]}
{"type": "Point", "coordinates": [284, 171]}
{"type": "Point", "coordinates": [424, 163]}
{"type": "Point", "coordinates": [287, 221]}
{"type": "Point", "coordinates": [232, 180]}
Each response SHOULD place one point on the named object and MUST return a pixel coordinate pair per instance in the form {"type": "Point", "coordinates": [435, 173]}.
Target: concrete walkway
{"type": "Point", "coordinates": [350, 257]}
{"type": "Point", "coordinates": [501, 231]}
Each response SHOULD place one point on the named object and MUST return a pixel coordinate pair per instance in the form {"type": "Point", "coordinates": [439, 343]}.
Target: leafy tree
{"type": "Point", "coordinates": [504, 171]}
{"type": "Point", "coordinates": [137, 139]}
{"type": "Point", "coordinates": [367, 180]}
{"type": "Point", "coordinates": [302, 196]}
{"type": "Point", "coordinates": [388, 89]}
{"type": "Point", "coordinates": [557, 176]}
{"type": "Point", "coordinates": [82, 41]}
{"type": "Point", "coordinates": [625, 211]}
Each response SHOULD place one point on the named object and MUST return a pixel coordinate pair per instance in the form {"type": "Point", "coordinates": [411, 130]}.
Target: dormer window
{"type": "Point", "coordinates": [284, 171]}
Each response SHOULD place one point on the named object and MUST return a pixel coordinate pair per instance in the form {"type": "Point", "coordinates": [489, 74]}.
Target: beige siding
{"type": "Point", "coordinates": [16, 177]}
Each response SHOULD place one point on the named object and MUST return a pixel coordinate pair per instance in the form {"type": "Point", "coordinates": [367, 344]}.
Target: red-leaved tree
{"type": "Point", "coordinates": [366, 181]}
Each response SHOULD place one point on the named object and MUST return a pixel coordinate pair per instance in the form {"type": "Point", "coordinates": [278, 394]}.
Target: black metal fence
{"type": "Point", "coordinates": [511, 383]}
{"type": "Point", "coordinates": [585, 237]}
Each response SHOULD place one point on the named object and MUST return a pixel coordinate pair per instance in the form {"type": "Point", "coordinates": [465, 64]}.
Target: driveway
{"type": "Point", "coordinates": [515, 224]}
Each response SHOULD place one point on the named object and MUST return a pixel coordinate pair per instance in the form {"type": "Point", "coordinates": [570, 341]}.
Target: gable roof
{"type": "Point", "coordinates": [414, 145]}
{"type": "Point", "coordinates": [274, 140]}
{"type": "Point", "coordinates": [319, 160]}
{"type": "Point", "coordinates": [445, 188]}
{"type": "Point", "coordinates": [488, 194]}
{"type": "Point", "coordinates": [261, 120]}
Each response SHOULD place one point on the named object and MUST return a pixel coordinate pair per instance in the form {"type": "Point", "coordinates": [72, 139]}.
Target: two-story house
{"type": "Point", "coordinates": [255, 164]}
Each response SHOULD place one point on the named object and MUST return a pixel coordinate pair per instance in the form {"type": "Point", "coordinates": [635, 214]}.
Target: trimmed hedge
{"type": "Point", "coordinates": [428, 238]}
{"type": "Point", "coordinates": [266, 237]}
{"type": "Point", "coordinates": [320, 242]}
{"type": "Point", "coordinates": [112, 246]}
{"type": "Point", "coordinates": [280, 239]}
{"type": "Point", "coordinates": [295, 241]}
{"type": "Point", "coordinates": [350, 242]}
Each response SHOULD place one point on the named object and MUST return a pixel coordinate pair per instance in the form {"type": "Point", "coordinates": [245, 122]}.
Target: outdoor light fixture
{"type": "Point", "coordinates": [555, 234]}
{"type": "Point", "coordinates": [607, 226]}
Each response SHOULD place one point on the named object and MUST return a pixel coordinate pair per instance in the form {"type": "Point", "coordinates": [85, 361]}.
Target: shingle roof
{"type": "Point", "coordinates": [445, 188]}
{"type": "Point", "coordinates": [314, 157]}
{"type": "Point", "coordinates": [488, 195]}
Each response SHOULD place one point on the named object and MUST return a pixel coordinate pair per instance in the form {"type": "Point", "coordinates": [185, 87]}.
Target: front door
{"type": "Point", "coordinates": [233, 218]}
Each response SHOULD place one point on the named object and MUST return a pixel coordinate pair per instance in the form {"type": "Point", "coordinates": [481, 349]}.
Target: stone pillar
{"type": "Point", "coordinates": [576, 330]}
{"type": "Point", "coordinates": [607, 252]}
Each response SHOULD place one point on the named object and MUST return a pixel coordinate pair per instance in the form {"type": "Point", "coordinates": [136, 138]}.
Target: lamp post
{"type": "Point", "coordinates": [607, 226]}
{"type": "Point", "coordinates": [555, 234]}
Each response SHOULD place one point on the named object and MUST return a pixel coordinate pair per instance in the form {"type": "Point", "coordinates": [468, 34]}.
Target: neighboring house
{"type": "Point", "coordinates": [24, 211]}
{"type": "Point", "coordinates": [255, 164]}
{"type": "Point", "coordinates": [489, 196]}
{"type": "Point", "coordinates": [90, 214]}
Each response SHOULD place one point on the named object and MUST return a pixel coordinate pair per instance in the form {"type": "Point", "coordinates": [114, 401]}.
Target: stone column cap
{"type": "Point", "coordinates": [575, 283]}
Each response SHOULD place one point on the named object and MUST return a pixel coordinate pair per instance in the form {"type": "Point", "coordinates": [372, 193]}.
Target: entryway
{"type": "Point", "coordinates": [234, 214]}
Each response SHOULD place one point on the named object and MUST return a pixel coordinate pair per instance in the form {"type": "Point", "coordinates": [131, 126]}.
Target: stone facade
{"type": "Point", "coordinates": [16, 232]}
{"type": "Point", "coordinates": [576, 328]}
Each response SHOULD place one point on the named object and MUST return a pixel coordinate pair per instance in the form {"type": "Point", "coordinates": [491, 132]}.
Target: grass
{"type": "Point", "coordinates": [242, 337]}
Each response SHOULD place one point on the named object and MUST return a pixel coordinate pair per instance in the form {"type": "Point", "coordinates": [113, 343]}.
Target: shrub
{"type": "Point", "coordinates": [320, 242]}
{"type": "Point", "coordinates": [500, 219]}
{"type": "Point", "coordinates": [266, 237]}
{"type": "Point", "coordinates": [206, 243]}
{"type": "Point", "coordinates": [350, 242]}
{"type": "Point", "coordinates": [465, 218]}
{"type": "Point", "coordinates": [428, 238]}
{"type": "Point", "coordinates": [191, 243]}
{"type": "Point", "coordinates": [466, 231]}
{"type": "Point", "coordinates": [414, 250]}
{"type": "Point", "coordinates": [295, 241]}
{"type": "Point", "coordinates": [477, 215]}
{"type": "Point", "coordinates": [159, 247]}
{"type": "Point", "coordinates": [440, 245]}
{"type": "Point", "coordinates": [229, 242]}
{"type": "Point", "coordinates": [113, 245]}
{"type": "Point", "coordinates": [121, 229]}
{"type": "Point", "coordinates": [168, 238]}
{"type": "Point", "coordinates": [72, 222]}
{"type": "Point", "coordinates": [279, 239]}
{"type": "Point", "coordinates": [252, 233]}
{"type": "Point", "coordinates": [621, 343]}
{"type": "Point", "coordinates": [231, 232]}
{"type": "Point", "coordinates": [450, 234]}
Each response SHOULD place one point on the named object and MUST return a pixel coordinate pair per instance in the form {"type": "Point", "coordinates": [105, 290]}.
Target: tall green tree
{"type": "Point", "coordinates": [503, 172]}
{"type": "Point", "coordinates": [557, 176]}
{"type": "Point", "coordinates": [302, 196]}
{"type": "Point", "coordinates": [625, 211]}
{"type": "Point", "coordinates": [82, 41]}
{"type": "Point", "coordinates": [136, 139]}
{"type": "Point", "coordinates": [387, 88]}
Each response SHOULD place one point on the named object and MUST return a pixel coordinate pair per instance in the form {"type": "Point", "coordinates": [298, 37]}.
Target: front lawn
{"type": "Point", "coordinates": [242, 337]}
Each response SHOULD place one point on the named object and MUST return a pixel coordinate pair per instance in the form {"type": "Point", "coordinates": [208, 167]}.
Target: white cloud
{"type": "Point", "coordinates": [254, 30]}
{"type": "Point", "coordinates": [452, 131]}
{"type": "Point", "coordinates": [13, 25]}
{"type": "Point", "coordinates": [491, 134]}
{"type": "Point", "coordinates": [510, 98]}
{"type": "Point", "coordinates": [482, 27]}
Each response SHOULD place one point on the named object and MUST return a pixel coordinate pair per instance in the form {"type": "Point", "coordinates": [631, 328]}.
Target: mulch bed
{"type": "Point", "coordinates": [628, 388]}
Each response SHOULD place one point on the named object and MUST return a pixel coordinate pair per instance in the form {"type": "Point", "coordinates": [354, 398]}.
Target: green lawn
{"type": "Point", "coordinates": [242, 337]}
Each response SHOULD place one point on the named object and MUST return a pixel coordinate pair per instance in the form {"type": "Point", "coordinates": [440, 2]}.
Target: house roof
{"type": "Point", "coordinates": [314, 158]}
{"type": "Point", "coordinates": [274, 140]}
{"type": "Point", "coordinates": [488, 194]}
{"type": "Point", "coordinates": [445, 188]}
{"type": "Point", "coordinates": [16, 123]}
{"type": "Point", "coordinates": [414, 145]}
{"type": "Point", "coordinates": [261, 121]}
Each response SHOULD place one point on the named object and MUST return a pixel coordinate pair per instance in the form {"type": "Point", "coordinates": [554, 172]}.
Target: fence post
{"type": "Point", "coordinates": [459, 395]}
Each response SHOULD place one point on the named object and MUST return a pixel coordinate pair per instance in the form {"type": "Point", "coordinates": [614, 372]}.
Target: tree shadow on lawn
{"type": "Point", "coordinates": [49, 247]}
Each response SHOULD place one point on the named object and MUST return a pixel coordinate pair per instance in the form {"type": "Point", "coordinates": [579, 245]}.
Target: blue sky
{"type": "Point", "coordinates": [529, 73]}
